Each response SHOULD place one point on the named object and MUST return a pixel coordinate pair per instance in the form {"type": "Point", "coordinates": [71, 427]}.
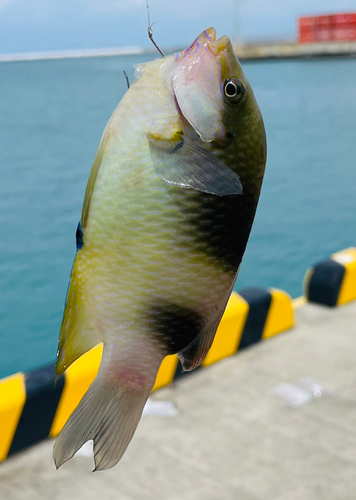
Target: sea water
{"type": "Point", "coordinates": [52, 115]}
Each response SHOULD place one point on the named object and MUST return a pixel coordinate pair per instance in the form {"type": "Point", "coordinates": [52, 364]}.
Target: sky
{"type": "Point", "coordinates": [46, 25]}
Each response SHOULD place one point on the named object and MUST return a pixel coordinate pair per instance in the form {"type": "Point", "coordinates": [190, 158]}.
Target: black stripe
{"type": "Point", "coordinates": [259, 301]}
{"type": "Point", "coordinates": [37, 416]}
{"type": "Point", "coordinates": [220, 225]}
{"type": "Point", "coordinates": [175, 327]}
{"type": "Point", "coordinates": [325, 283]}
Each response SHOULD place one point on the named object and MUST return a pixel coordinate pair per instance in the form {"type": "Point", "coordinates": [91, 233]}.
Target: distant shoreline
{"type": "Point", "coordinates": [245, 52]}
{"type": "Point", "coordinates": [293, 50]}
{"type": "Point", "coordinates": [72, 54]}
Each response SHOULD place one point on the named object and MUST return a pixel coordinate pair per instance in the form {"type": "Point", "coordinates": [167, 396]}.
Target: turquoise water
{"type": "Point", "coordinates": [52, 114]}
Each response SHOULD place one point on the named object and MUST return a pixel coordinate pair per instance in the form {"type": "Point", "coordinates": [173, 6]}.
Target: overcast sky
{"type": "Point", "coordinates": [32, 25]}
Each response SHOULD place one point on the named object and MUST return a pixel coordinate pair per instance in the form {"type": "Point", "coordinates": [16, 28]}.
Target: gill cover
{"type": "Point", "coordinates": [197, 85]}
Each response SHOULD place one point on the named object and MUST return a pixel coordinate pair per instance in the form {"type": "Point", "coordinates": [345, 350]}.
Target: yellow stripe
{"type": "Point", "coordinates": [348, 253]}
{"type": "Point", "coordinates": [229, 332]}
{"type": "Point", "coordinates": [12, 400]}
{"type": "Point", "coordinates": [280, 316]}
{"type": "Point", "coordinates": [78, 378]}
{"type": "Point", "coordinates": [348, 287]}
{"type": "Point", "coordinates": [299, 302]}
{"type": "Point", "coordinates": [166, 372]}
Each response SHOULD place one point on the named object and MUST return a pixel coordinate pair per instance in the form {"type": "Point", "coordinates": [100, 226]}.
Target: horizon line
{"type": "Point", "coordinates": [73, 53]}
{"type": "Point", "coordinates": [109, 51]}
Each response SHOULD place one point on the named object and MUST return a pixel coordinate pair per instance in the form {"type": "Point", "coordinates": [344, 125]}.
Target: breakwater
{"type": "Point", "coordinates": [294, 50]}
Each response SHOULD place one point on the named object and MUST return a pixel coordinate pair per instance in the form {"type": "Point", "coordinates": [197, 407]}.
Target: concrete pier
{"type": "Point", "coordinates": [293, 50]}
{"type": "Point", "coordinates": [232, 438]}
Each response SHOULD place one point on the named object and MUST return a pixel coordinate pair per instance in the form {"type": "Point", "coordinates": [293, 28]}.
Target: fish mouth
{"type": "Point", "coordinates": [216, 46]}
{"type": "Point", "coordinates": [207, 39]}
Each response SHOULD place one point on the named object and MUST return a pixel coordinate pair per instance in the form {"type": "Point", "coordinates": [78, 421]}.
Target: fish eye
{"type": "Point", "coordinates": [234, 90]}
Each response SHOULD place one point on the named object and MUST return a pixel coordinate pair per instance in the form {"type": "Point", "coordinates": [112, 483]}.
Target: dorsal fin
{"type": "Point", "coordinates": [93, 176]}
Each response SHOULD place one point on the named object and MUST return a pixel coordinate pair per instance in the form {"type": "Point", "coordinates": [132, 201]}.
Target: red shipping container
{"type": "Point", "coordinates": [353, 33]}
{"type": "Point", "coordinates": [306, 29]}
{"type": "Point", "coordinates": [339, 27]}
{"type": "Point", "coordinates": [323, 21]}
{"type": "Point", "coordinates": [306, 21]}
{"type": "Point", "coordinates": [341, 34]}
{"type": "Point", "coordinates": [323, 35]}
{"type": "Point", "coordinates": [306, 37]}
{"type": "Point", "coordinates": [344, 19]}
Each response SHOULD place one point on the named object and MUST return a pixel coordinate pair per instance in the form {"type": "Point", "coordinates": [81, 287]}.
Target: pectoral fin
{"type": "Point", "coordinates": [183, 163]}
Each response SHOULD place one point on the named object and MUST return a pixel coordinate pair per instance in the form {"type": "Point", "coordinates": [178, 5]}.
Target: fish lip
{"type": "Point", "coordinates": [210, 34]}
{"type": "Point", "coordinates": [208, 39]}
{"type": "Point", "coordinates": [216, 47]}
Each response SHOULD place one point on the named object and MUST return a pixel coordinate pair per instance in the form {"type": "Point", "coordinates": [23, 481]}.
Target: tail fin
{"type": "Point", "coordinates": [108, 415]}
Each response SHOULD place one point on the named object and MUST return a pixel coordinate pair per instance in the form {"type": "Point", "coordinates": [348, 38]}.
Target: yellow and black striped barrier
{"type": "Point", "coordinates": [32, 408]}
{"type": "Point", "coordinates": [333, 281]}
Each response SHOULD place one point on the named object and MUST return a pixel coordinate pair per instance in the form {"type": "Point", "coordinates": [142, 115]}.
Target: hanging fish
{"type": "Point", "coordinates": [167, 213]}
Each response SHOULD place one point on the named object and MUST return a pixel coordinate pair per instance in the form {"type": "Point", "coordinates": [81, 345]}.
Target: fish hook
{"type": "Point", "coordinates": [150, 32]}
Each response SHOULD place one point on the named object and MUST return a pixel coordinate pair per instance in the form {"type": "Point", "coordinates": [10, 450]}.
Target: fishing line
{"type": "Point", "coordinates": [149, 30]}
{"type": "Point", "coordinates": [127, 79]}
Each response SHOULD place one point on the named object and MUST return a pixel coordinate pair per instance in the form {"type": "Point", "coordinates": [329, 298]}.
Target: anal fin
{"type": "Point", "coordinates": [194, 354]}
{"type": "Point", "coordinates": [77, 335]}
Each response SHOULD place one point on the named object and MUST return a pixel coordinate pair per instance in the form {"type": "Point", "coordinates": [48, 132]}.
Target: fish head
{"type": "Point", "coordinates": [208, 85]}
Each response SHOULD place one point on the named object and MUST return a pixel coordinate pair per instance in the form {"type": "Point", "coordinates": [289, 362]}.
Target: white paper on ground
{"type": "Point", "coordinates": [301, 393]}
{"type": "Point", "coordinates": [160, 408]}
{"type": "Point", "coordinates": [314, 387]}
{"type": "Point", "coordinates": [292, 395]}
